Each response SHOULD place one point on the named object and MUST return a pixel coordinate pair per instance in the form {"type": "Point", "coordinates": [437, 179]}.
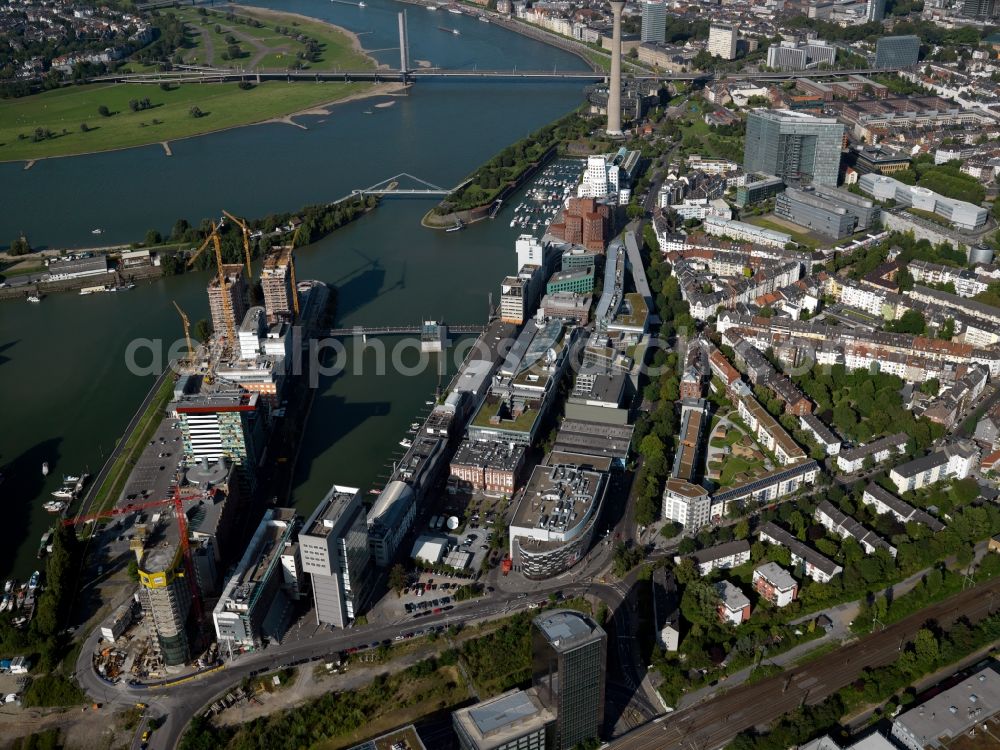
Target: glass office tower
{"type": "Point", "coordinates": [799, 148]}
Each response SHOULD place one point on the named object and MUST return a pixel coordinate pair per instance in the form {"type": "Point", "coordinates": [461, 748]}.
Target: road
{"type": "Point", "coordinates": [177, 703]}
{"type": "Point", "coordinates": [715, 722]}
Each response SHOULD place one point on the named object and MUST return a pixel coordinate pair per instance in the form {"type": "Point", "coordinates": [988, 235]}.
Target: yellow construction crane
{"type": "Point", "coordinates": [227, 306]}
{"type": "Point", "coordinates": [187, 332]}
{"type": "Point", "coordinates": [246, 240]}
{"type": "Point", "coordinates": [295, 287]}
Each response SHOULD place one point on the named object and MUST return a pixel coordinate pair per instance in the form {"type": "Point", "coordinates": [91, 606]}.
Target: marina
{"type": "Point", "coordinates": [546, 196]}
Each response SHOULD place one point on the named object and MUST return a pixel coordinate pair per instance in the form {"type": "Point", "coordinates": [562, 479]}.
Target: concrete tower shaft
{"type": "Point", "coordinates": [615, 84]}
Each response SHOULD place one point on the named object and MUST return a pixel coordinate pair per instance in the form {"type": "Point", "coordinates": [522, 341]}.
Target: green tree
{"type": "Point", "coordinates": [153, 237]}
{"type": "Point", "coordinates": [203, 330]}
{"type": "Point", "coordinates": [397, 579]}
{"type": "Point", "coordinates": [19, 246]}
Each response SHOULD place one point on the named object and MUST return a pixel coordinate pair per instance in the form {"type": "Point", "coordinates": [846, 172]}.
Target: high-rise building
{"type": "Point", "coordinates": [569, 652]}
{"type": "Point", "coordinates": [254, 604]}
{"type": "Point", "coordinates": [615, 79]}
{"type": "Point", "coordinates": [793, 56]}
{"type": "Point", "coordinates": [654, 21]}
{"type": "Point", "coordinates": [165, 596]}
{"type": "Point", "coordinates": [897, 51]}
{"type": "Point", "coordinates": [794, 146]}
{"type": "Point", "coordinates": [875, 10]}
{"type": "Point", "coordinates": [722, 41]}
{"type": "Point", "coordinates": [515, 720]}
{"type": "Point", "coordinates": [224, 424]}
{"type": "Point", "coordinates": [236, 287]}
{"type": "Point", "coordinates": [276, 281]}
{"type": "Point", "coordinates": [981, 9]}
{"type": "Point", "coordinates": [333, 545]}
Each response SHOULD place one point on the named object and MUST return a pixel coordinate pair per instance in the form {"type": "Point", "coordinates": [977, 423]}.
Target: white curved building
{"type": "Point", "coordinates": [962, 214]}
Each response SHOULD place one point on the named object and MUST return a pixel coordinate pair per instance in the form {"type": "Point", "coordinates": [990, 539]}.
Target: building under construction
{"type": "Point", "coordinates": [276, 279]}
{"type": "Point", "coordinates": [237, 288]}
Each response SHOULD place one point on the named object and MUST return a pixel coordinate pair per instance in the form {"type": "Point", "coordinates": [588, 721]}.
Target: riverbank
{"type": "Point", "coordinates": [68, 121]}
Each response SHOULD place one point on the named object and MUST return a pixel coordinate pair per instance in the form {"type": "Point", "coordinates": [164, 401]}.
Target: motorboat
{"type": "Point", "coordinates": [45, 468]}
{"type": "Point", "coordinates": [63, 492]}
{"type": "Point", "coordinates": [34, 298]}
{"type": "Point", "coordinates": [97, 231]}
{"type": "Point", "coordinates": [406, 443]}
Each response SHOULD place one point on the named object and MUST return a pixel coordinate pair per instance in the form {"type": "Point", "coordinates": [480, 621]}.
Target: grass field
{"type": "Point", "coordinates": [119, 473]}
{"type": "Point", "coordinates": [264, 47]}
{"type": "Point", "coordinates": [223, 106]}
{"type": "Point", "coordinates": [801, 237]}
{"type": "Point", "coordinates": [735, 465]}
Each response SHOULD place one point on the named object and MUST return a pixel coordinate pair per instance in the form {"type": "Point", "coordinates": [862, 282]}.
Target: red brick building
{"type": "Point", "coordinates": [584, 222]}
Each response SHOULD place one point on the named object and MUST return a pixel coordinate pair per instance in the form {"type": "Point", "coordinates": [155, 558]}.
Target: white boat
{"type": "Point", "coordinates": [484, 19]}
{"type": "Point", "coordinates": [33, 582]}
{"type": "Point", "coordinates": [361, 5]}
{"type": "Point", "coordinates": [406, 443]}
{"type": "Point", "coordinates": [63, 492]}
{"type": "Point", "coordinates": [45, 468]}
{"type": "Point", "coordinates": [97, 231]}
{"type": "Point", "coordinates": [456, 32]}
{"type": "Point", "coordinates": [456, 11]}
{"type": "Point", "coordinates": [92, 289]}
{"type": "Point", "coordinates": [70, 478]}
{"type": "Point", "coordinates": [8, 586]}
{"type": "Point", "coordinates": [512, 222]}
{"type": "Point", "coordinates": [415, 425]}
{"type": "Point", "coordinates": [5, 604]}
{"type": "Point", "coordinates": [55, 506]}
{"type": "Point", "coordinates": [432, 7]}
{"type": "Point", "coordinates": [34, 298]}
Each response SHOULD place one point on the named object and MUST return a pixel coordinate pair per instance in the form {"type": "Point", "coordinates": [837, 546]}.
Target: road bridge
{"type": "Point", "coordinates": [223, 75]}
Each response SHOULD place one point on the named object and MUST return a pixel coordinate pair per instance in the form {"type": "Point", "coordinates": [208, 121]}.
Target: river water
{"type": "Point", "coordinates": [65, 391]}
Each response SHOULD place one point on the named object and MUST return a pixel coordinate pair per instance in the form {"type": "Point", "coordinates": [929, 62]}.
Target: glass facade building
{"type": "Point", "coordinates": [654, 21]}
{"type": "Point", "coordinates": [794, 146]}
{"type": "Point", "coordinates": [897, 51]}
{"type": "Point", "coordinates": [569, 652]}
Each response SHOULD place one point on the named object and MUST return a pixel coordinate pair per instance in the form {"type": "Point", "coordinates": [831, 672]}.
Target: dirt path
{"type": "Point", "coordinates": [207, 45]}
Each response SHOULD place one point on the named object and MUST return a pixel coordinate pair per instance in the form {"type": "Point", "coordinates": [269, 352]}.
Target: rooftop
{"type": "Point", "coordinates": [567, 629]}
{"type": "Point", "coordinates": [329, 512]}
{"type": "Point", "coordinates": [498, 720]}
{"type": "Point", "coordinates": [776, 576]}
{"type": "Point", "coordinates": [953, 711]}
{"type": "Point", "coordinates": [558, 499]}
{"type": "Point", "coordinates": [492, 454]}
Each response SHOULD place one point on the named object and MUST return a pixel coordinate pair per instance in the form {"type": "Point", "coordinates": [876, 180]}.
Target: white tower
{"type": "Point", "coordinates": [615, 88]}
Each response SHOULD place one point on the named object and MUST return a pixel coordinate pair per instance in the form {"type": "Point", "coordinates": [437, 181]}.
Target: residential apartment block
{"type": "Point", "coordinates": [775, 584]}
{"type": "Point", "coordinates": [818, 567]}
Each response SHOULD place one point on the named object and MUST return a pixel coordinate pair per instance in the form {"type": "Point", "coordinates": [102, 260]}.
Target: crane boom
{"type": "Point", "coordinates": [187, 331]}
{"type": "Point", "coordinates": [295, 286]}
{"type": "Point", "coordinates": [246, 241]}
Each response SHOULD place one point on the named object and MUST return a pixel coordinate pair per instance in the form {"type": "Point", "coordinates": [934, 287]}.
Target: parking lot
{"type": "Point", "coordinates": [156, 468]}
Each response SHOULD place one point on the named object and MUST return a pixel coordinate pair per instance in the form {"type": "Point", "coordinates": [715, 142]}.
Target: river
{"type": "Point", "coordinates": [66, 392]}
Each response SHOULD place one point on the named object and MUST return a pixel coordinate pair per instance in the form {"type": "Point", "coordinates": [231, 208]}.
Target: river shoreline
{"type": "Point", "coordinates": [320, 108]}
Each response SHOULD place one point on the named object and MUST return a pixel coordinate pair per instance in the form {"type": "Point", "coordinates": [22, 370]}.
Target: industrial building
{"type": "Point", "coordinates": [795, 146]}
{"type": "Point", "coordinates": [254, 605]}
{"type": "Point", "coordinates": [951, 713]}
{"type": "Point", "coordinates": [569, 654]}
{"type": "Point", "coordinates": [515, 720]}
{"type": "Point", "coordinates": [334, 549]}
{"type": "Point", "coordinates": [555, 519]}
{"type": "Point", "coordinates": [78, 266]}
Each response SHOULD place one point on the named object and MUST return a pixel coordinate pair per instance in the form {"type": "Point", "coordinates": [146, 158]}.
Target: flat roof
{"type": "Point", "coordinates": [953, 711]}
{"type": "Point", "coordinates": [492, 454]}
{"type": "Point", "coordinates": [558, 498]}
{"type": "Point", "coordinates": [494, 722]}
{"type": "Point", "coordinates": [566, 629]}
{"type": "Point", "coordinates": [329, 512]}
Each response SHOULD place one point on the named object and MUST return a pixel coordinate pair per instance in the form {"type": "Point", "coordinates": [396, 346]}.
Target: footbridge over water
{"type": "Point", "coordinates": [404, 330]}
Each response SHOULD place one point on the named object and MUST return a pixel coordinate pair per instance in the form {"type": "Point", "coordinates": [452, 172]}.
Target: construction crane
{"type": "Point", "coordinates": [295, 286]}
{"type": "Point", "coordinates": [227, 304]}
{"type": "Point", "coordinates": [177, 500]}
{"type": "Point", "coordinates": [246, 240]}
{"type": "Point", "coordinates": [187, 331]}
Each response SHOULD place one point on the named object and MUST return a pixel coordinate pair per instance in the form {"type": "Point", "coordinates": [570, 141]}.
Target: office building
{"type": "Point", "coordinates": [236, 292]}
{"type": "Point", "coordinates": [979, 9]}
{"type": "Point", "coordinates": [579, 280]}
{"type": "Point", "coordinates": [254, 605]}
{"type": "Point", "coordinates": [722, 41]}
{"type": "Point", "coordinates": [584, 221]}
{"type": "Point", "coordinates": [276, 281]}
{"type": "Point", "coordinates": [875, 11]}
{"type": "Point", "coordinates": [333, 545]}
{"type": "Point", "coordinates": [654, 21]}
{"type": "Point", "coordinates": [515, 720]}
{"type": "Point", "coordinates": [758, 188]}
{"type": "Point", "coordinates": [569, 653]}
{"type": "Point", "coordinates": [962, 214]}
{"type": "Point", "coordinates": [165, 596]}
{"type": "Point", "coordinates": [942, 720]}
{"type": "Point", "coordinates": [897, 51]}
{"type": "Point", "coordinates": [827, 211]}
{"type": "Point", "coordinates": [794, 146]}
{"type": "Point", "coordinates": [489, 466]}
{"type": "Point", "coordinates": [222, 424]}
{"type": "Point", "coordinates": [786, 56]}
{"type": "Point", "coordinates": [555, 519]}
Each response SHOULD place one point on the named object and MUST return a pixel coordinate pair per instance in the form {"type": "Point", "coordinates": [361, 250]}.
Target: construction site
{"type": "Point", "coordinates": [199, 488]}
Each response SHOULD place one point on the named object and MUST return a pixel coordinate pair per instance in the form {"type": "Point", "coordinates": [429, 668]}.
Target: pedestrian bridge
{"type": "Point", "coordinates": [402, 330]}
